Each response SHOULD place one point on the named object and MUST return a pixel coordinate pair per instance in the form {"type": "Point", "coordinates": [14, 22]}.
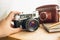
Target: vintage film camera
{"type": "Point", "coordinates": [48, 13]}
{"type": "Point", "coordinates": [29, 22]}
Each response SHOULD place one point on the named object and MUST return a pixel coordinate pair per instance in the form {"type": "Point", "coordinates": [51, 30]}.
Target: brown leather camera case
{"type": "Point", "coordinates": [48, 13]}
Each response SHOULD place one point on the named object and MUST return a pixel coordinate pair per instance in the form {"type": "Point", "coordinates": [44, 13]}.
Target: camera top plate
{"type": "Point", "coordinates": [25, 16]}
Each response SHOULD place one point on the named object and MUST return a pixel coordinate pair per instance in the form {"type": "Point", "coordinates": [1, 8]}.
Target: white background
{"type": "Point", "coordinates": [22, 5]}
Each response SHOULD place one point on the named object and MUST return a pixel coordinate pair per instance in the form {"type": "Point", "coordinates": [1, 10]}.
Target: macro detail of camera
{"type": "Point", "coordinates": [29, 22]}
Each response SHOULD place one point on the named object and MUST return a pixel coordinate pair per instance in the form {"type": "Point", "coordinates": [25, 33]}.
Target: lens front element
{"type": "Point", "coordinates": [32, 25]}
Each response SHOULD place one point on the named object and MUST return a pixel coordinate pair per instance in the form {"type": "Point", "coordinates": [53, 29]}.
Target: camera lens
{"type": "Point", "coordinates": [32, 25]}
{"type": "Point", "coordinates": [43, 16]}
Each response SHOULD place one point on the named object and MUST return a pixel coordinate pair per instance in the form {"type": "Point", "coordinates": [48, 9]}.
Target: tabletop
{"type": "Point", "coordinates": [39, 34]}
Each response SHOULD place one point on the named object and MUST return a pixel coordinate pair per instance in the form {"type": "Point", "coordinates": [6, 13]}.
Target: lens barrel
{"type": "Point", "coordinates": [32, 25]}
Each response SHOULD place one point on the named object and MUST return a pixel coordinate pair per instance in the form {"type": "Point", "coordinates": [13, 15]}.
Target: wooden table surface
{"type": "Point", "coordinates": [39, 34]}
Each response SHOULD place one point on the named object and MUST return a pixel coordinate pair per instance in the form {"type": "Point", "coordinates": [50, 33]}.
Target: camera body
{"type": "Point", "coordinates": [29, 22]}
{"type": "Point", "coordinates": [48, 13]}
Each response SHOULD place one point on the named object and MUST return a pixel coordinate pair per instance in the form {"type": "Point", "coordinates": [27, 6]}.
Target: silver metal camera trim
{"type": "Point", "coordinates": [17, 17]}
